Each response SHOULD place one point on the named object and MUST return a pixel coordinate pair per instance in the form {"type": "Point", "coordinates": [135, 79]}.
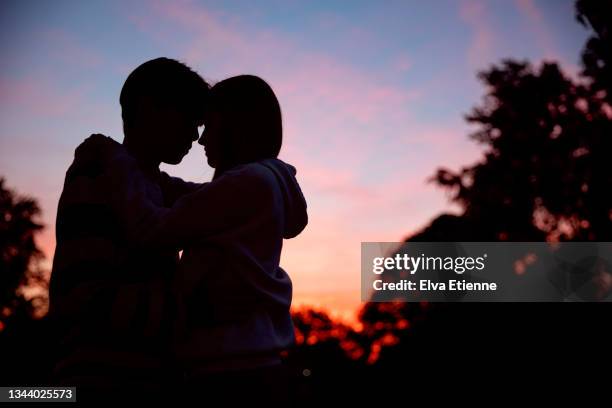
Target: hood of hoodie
{"type": "Point", "coordinates": [296, 215]}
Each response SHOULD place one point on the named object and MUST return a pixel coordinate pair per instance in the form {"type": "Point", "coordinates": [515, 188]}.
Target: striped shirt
{"type": "Point", "coordinates": [110, 301]}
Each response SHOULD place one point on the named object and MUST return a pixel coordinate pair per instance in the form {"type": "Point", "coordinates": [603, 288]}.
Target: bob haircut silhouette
{"type": "Point", "coordinates": [168, 83]}
{"type": "Point", "coordinates": [252, 118]}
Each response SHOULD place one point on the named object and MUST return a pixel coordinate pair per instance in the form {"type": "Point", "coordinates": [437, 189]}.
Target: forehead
{"type": "Point", "coordinates": [185, 114]}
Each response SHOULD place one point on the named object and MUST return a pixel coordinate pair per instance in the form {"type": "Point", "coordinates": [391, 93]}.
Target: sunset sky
{"type": "Point", "coordinates": [373, 96]}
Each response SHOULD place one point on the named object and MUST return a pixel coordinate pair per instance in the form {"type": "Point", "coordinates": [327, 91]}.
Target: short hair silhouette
{"type": "Point", "coordinates": [254, 117]}
{"type": "Point", "coordinates": [166, 82]}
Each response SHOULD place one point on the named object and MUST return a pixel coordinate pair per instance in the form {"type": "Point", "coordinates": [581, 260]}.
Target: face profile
{"type": "Point", "coordinates": [242, 124]}
{"type": "Point", "coordinates": [210, 138]}
{"type": "Point", "coordinates": [162, 104]}
{"type": "Point", "coordinates": [169, 133]}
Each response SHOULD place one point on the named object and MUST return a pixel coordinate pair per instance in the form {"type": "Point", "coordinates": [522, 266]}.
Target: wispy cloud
{"type": "Point", "coordinates": [474, 13]}
{"type": "Point", "coordinates": [543, 36]}
{"type": "Point", "coordinates": [37, 96]}
{"type": "Point", "coordinates": [70, 51]}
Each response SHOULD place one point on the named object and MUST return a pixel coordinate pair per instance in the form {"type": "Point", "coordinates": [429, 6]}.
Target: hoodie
{"type": "Point", "coordinates": [234, 295]}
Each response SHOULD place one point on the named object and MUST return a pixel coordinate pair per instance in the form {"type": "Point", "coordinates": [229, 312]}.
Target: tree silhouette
{"type": "Point", "coordinates": [597, 53]}
{"type": "Point", "coordinates": [19, 266]}
{"type": "Point", "coordinates": [544, 175]}
{"type": "Point", "coordinates": [25, 351]}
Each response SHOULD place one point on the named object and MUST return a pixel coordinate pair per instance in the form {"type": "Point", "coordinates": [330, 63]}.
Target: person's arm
{"type": "Point", "coordinates": [120, 184]}
{"type": "Point", "coordinates": [174, 188]}
{"type": "Point", "coordinates": [228, 203]}
{"type": "Point", "coordinates": [131, 199]}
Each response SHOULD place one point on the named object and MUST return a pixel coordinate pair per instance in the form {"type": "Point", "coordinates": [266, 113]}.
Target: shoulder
{"type": "Point", "coordinates": [251, 182]}
{"type": "Point", "coordinates": [98, 155]}
{"type": "Point", "coordinates": [253, 174]}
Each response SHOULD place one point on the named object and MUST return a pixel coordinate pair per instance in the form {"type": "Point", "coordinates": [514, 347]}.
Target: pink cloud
{"type": "Point", "coordinates": [314, 77]}
{"type": "Point", "coordinates": [346, 211]}
{"type": "Point", "coordinates": [538, 27]}
{"type": "Point", "coordinates": [71, 51]}
{"type": "Point", "coordinates": [37, 96]}
{"type": "Point", "coordinates": [475, 15]}
{"type": "Point", "coordinates": [403, 63]}
{"type": "Point", "coordinates": [543, 36]}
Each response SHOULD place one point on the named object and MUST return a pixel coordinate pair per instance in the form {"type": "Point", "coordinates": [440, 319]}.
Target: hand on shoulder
{"type": "Point", "coordinates": [98, 148]}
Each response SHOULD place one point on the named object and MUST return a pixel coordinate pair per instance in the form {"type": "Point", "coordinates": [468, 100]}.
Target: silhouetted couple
{"type": "Point", "coordinates": [132, 318]}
